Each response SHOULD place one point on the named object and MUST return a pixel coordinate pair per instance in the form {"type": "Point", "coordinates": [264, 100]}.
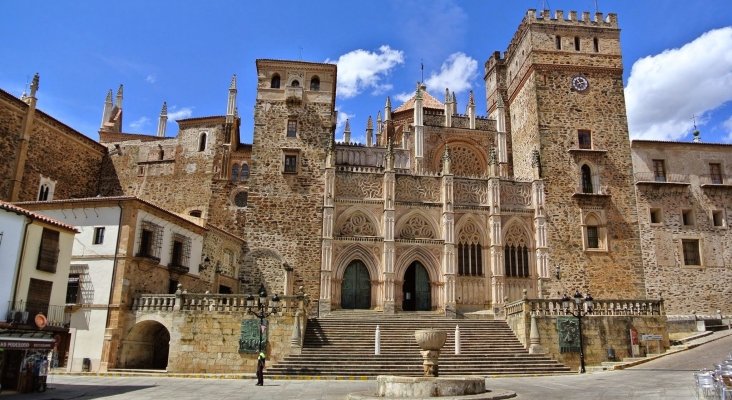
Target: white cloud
{"type": "Point", "coordinates": [456, 73]}
{"type": "Point", "coordinates": [728, 127]}
{"type": "Point", "coordinates": [183, 113]}
{"type": "Point", "coordinates": [360, 69]}
{"type": "Point", "coordinates": [665, 90]}
{"type": "Point", "coordinates": [403, 97]}
{"type": "Point", "coordinates": [139, 124]}
{"type": "Point", "coordinates": [151, 79]}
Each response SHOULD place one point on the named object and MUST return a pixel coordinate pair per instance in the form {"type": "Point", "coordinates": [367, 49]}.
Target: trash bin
{"type": "Point", "coordinates": [86, 365]}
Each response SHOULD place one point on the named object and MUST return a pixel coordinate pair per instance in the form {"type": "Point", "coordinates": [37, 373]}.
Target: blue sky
{"type": "Point", "coordinates": [677, 55]}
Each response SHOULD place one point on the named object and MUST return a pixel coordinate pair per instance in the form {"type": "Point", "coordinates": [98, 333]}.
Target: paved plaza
{"type": "Point", "coordinates": [668, 378]}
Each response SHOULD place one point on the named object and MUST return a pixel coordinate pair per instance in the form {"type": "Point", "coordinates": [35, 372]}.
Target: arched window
{"type": "Point", "coordinates": [244, 171]}
{"type": "Point", "coordinates": [516, 254]}
{"type": "Point", "coordinates": [235, 172]}
{"type": "Point", "coordinates": [470, 254]}
{"type": "Point", "coordinates": [586, 179]}
{"type": "Point", "coordinates": [43, 193]}
{"type": "Point", "coordinates": [295, 83]}
{"type": "Point", "coordinates": [315, 83]}
{"type": "Point", "coordinates": [202, 142]}
{"type": "Point", "coordinates": [275, 83]}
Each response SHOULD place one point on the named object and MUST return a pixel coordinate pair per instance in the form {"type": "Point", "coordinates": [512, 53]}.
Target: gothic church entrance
{"type": "Point", "coordinates": [416, 289]}
{"type": "Point", "coordinates": [356, 287]}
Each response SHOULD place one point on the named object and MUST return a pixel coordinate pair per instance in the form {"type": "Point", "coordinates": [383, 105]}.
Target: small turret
{"type": "Point", "coordinates": [454, 104]}
{"type": "Point", "coordinates": [471, 110]}
{"type": "Point", "coordinates": [379, 122]}
{"type": "Point", "coordinates": [448, 108]}
{"type": "Point", "coordinates": [163, 121]}
{"type": "Point", "coordinates": [387, 109]}
{"type": "Point", "coordinates": [369, 131]}
{"type": "Point", "coordinates": [347, 132]}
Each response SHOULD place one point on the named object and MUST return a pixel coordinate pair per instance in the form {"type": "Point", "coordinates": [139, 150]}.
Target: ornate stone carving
{"type": "Point", "coordinates": [417, 189]}
{"type": "Point", "coordinates": [416, 227]}
{"type": "Point", "coordinates": [359, 186]}
{"type": "Point", "coordinates": [357, 224]}
{"type": "Point", "coordinates": [515, 236]}
{"type": "Point", "coordinates": [465, 161]}
{"type": "Point", "coordinates": [516, 193]}
{"type": "Point", "coordinates": [470, 192]}
{"type": "Point", "coordinates": [469, 234]}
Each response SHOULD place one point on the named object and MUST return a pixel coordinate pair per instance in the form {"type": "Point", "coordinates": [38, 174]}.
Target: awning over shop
{"type": "Point", "coordinates": [26, 340]}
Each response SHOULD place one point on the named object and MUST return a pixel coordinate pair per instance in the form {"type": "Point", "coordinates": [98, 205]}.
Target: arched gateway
{"type": "Point", "coordinates": [146, 346]}
{"type": "Point", "coordinates": [356, 287]}
{"type": "Point", "coordinates": [416, 289]}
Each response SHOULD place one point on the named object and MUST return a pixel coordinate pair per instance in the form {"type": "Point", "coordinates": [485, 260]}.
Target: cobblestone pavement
{"type": "Point", "coordinates": [669, 378]}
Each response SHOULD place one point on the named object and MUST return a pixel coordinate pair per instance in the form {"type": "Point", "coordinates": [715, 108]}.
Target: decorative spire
{"type": "Point", "coordinates": [119, 97]}
{"type": "Point", "coordinates": [387, 109]}
{"type": "Point", "coordinates": [347, 132]}
{"type": "Point", "coordinates": [370, 123]}
{"type": "Point", "coordinates": [163, 121]}
{"type": "Point", "coordinates": [107, 111]}
{"type": "Point", "coordinates": [231, 103]}
{"type": "Point", "coordinates": [369, 131]}
{"type": "Point", "coordinates": [447, 95]}
{"type": "Point", "coordinates": [471, 99]}
{"type": "Point", "coordinates": [232, 86]}
{"type": "Point", "coordinates": [34, 85]}
{"type": "Point", "coordinates": [454, 104]}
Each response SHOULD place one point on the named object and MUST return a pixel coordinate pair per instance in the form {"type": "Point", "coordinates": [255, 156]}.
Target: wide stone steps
{"type": "Point", "coordinates": [343, 345]}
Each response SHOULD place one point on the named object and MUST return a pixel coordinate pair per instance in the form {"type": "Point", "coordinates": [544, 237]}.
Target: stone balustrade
{"type": "Point", "coordinates": [553, 307]}
{"type": "Point", "coordinates": [208, 302]}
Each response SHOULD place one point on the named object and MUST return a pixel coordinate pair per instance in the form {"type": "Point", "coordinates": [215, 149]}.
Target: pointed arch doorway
{"type": "Point", "coordinates": [356, 287]}
{"type": "Point", "coordinates": [416, 289]}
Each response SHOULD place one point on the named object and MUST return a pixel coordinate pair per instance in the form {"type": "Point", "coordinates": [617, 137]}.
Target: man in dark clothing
{"type": "Point", "coordinates": [260, 369]}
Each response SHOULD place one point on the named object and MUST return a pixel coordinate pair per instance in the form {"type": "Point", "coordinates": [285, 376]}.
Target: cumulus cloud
{"type": "Point", "coordinates": [360, 70]}
{"type": "Point", "coordinates": [456, 73]}
{"type": "Point", "coordinates": [139, 123]}
{"type": "Point", "coordinates": [403, 97]}
{"type": "Point", "coordinates": [183, 113]}
{"type": "Point", "coordinates": [665, 90]}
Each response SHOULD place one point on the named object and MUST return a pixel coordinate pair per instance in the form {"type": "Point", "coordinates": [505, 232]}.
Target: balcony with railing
{"type": "Point", "coordinates": [661, 179]}
{"type": "Point", "coordinates": [24, 313]}
{"type": "Point", "coordinates": [715, 181]}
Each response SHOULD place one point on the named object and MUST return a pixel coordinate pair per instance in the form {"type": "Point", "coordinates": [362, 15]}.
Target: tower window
{"type": "Point", "coordinates": [235, 172]}
{"type": "Point", "coordinates": [584, 139]}
{"type": "Point", "coordinates": [295, 83]}
{"type": "Point", "coordinates": [46, 188]}
{"type": "Point", "coordinates": [558, 40]}
{"type": "Point", "coordinates": [587, 179]}
{"type": "Point", "coordinates": [315, 83]}
{"type": "Point", "coordinates": [244, 172]}
{"type": "Point", "coordinates": [202, 142]}
{"type": "Point", "coordinates": [43, 192]}
{"type": "Point", "coordinates": [99, 235]}
{"type": "Point", "coordinates": [687, 217]}
{"type": "Point", "coordinates": [659, 170]}
{"type": "Point", "coordinates": [718, 218]}
{"type": "Point", "coordinates": [292, 128]}
{"type": "Point", "coordinates": [656, 217]}
{"type": "Point", "coordinates": [715, 173]}
{"type": "Point", "coordinates": [691, 251]}
{"type": "Point", "coordinates": [290, 164]}
{"type": "Point", "coordinates": [593, 239]}
{"type": "Point", "coordinates": [275, 82]}
{"type": "Point", "coordinates": [577, 43]}
{"type": "Point", "coordinates": [595, 233]}
{"type": "Point", "coordinates": [596, 44]}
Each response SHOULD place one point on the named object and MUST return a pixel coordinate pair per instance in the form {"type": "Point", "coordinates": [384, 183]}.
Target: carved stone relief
{"type": "Point", "coordinates": [416, 227]}
{"type": "Point", "coordinates": [516, 193]}
{"type": "Point", "coordinates": [357, 225]}
{"type": "Point", "coordinates": [359, 186]}
{"type": "Point", "coordinates": [470, 192]}
{"type": "Point", "coordinates": [417, 189]}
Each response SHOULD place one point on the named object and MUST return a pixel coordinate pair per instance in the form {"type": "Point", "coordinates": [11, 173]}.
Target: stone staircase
{"type": "Point", "coordinates": [342, 344]}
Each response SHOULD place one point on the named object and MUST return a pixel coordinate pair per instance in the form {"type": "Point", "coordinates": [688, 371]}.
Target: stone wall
{"type": "Point", "coordinates": [208, 342]}
{"type": "Point", "coordinates": [701, 288]}
{"type": "Point", "coordinates": [54, 151]}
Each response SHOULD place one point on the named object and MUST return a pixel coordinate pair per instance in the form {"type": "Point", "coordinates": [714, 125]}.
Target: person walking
{"type": "Point", "coordinates": [260, 369]}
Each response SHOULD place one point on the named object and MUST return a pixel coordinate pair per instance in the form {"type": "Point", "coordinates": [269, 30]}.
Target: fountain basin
{"type": "Point", "coordinates": [442, 388]}
{"type": "Point", "coordinates": [430, 339]}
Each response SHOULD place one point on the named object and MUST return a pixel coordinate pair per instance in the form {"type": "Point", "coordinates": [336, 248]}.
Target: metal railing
{"type": "Point", "coordinates": [24, 312]}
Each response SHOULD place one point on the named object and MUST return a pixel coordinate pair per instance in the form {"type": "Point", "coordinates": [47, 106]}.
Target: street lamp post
{"type": "Point", "coordinates": [260, 309]}
{"type": "Point", "coordinates": [579, 312]}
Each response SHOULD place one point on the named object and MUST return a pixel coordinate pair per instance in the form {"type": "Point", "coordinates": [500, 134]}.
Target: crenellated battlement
{"type": "Point", "coordinates": [586, 18]}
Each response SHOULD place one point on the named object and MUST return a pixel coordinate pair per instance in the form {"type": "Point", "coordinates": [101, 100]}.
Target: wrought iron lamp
{"type": "Point", "coordinates": [260, 309]}
{"type": "Point", "coordinates": [583, 306]}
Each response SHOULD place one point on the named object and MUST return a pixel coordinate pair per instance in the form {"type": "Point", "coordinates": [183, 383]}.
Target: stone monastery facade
{"type": "Point", "coordinates": [438, 210]}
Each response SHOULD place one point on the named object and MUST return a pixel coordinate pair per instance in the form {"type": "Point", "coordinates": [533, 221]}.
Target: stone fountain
{"type": "Point", "coordinates": [431, 386]}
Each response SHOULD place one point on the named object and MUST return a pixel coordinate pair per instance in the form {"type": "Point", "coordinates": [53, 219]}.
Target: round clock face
{"type": "Point", "coordinates": [580, 83]}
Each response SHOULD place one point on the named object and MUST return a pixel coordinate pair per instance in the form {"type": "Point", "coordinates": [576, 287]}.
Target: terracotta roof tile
{"type": "Point", "coordinates": [34, 215]}
{"type": "Point", "coordinates": [427, 102]}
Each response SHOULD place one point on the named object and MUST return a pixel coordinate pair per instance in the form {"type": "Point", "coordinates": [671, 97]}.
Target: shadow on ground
{"type": "Point", "coordinates": [58, 391]}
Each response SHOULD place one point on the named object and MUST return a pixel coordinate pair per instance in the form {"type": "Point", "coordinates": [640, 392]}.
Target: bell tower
{"type": "Point", "coordinates": [561, 80]}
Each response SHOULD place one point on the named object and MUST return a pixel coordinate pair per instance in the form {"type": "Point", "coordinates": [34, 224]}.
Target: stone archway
{"type": "Point", "coordinates": [146, 346]}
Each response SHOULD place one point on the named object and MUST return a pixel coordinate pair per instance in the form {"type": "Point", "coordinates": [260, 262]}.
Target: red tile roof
{"type": "Point", "coordinates": [427, 102]}
{"type": "Point", "coordinates": [34, 215]}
